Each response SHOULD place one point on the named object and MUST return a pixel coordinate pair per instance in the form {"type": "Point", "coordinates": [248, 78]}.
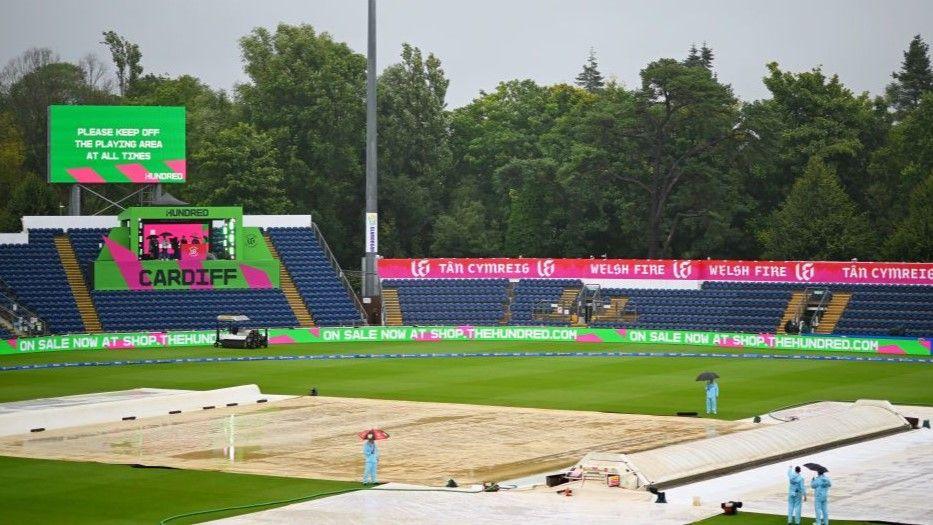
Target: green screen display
{"type": "Point", "coordinates": [116, 144]}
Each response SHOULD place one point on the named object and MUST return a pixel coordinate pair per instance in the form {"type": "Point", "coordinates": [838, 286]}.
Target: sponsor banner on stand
{"type": "Point", "coordinates": [852, 272]}
{"type": "Point", "coordinates": [731, 340]}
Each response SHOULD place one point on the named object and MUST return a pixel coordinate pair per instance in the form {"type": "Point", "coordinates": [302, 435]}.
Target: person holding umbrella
{"type": "Point", "coordinates": [371, 453]}
{"type": "Point", "coordinates": [795, 491]}
{"type": "Point", "coordinates": [820, 485]}
{"type": "Point", "coordinates": [712, 390]}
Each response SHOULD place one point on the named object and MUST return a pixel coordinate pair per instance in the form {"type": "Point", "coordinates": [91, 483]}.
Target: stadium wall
{"type": "Point", "coordinates": [376, 334]}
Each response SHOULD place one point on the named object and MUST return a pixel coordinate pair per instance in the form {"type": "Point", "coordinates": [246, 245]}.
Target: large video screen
{"type": "Point", "coordinates": [116, 144]}
{"type": "Point", "coordinates": [180, 241]}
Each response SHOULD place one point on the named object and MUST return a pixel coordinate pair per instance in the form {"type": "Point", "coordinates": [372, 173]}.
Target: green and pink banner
{"type": "Point", "coordinates": [381, 334]}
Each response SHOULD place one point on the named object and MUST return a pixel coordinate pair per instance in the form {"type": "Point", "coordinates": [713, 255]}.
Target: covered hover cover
{"type": "Point", "coordinates": [684, 462]}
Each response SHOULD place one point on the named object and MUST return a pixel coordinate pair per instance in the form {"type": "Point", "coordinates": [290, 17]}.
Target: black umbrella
{"type": "Point", "coordinates": [707, 376]}
{"type": "Point", "coordinates": [819, 469]}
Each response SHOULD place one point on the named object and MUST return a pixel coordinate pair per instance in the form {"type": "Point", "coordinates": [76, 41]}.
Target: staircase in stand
{"type": "Point", "coordinates": [833, 312]}
{"type": "Point", "coordinates": [507, 305]}
{"type": "Point", "coordinates": [794, 306]}
{"type": "Point", "coordinates": [391, 307]}
{"type": "Point", "coordinates": [289, 290]}
{"type": "Point", "coordinates": [66, 254]}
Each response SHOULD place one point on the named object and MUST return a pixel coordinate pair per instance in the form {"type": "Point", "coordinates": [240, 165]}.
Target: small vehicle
{"type": "Point", "coordinates": [231, 334]}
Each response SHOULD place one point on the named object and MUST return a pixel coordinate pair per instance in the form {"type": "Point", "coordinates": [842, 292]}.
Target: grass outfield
{"type": "Point", "coordinates": [747, 518]}
{"type": "Point", "coordinates": [644, 385]}
{"type": "Point", "coordinates": [42, 491]}
{"type": "Point", "coordinates": [55, 492]}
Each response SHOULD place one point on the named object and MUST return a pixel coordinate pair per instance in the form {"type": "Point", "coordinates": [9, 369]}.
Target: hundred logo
{"type": "Point", "coordinates": [187, 277]}
{"type": "Point", "coordinates": [187, 212]}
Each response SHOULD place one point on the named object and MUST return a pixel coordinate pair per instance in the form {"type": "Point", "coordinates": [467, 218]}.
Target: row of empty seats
{"type": "Point", "coordinates": [451, 301]}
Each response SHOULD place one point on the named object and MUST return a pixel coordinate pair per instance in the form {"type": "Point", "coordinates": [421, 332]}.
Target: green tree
{"type": "Point", "coordinates": [462, 232]}
{"type": "Point", "coordinates": [30, 97]}
{"type": "Point", "coordinates": [126, 59]}
{"type": "Point", "coordinates": [818, 221]}
{"type": "Point", "coordinates": [238, 166]}
{"type": "Point", "coordinates": [31, 196]}
{"type": "Point", "coordinates": [913, 237]}
{"type": "Point", "coordinates": [913, 80]}
{"type": "Point", "coordinates": [537, 221]}
{"type": "Point", "coordinates": [590, 78]}
{"type": "Point", "coordinates": [307, 92]}
{"type": "Point", "coordinates": [414, 151]}
{"type": "Point", "coordinates": [682, 118]}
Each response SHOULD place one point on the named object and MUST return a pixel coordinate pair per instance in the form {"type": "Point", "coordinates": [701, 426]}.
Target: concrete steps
{"type": "Point", "coordinates": [833, 313]}
{"type": "Point", "coordinates": [793, 306]}
{"type": "Point", "coordinates": [392, 307]}
{"type": "Point", "coordinates": [289, 290]}
{"type": "Point", "coordinates": [79, 290]}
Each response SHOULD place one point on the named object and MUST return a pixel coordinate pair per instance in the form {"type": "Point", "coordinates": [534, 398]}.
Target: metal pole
{"type": "Point", "coordinates": [74, 200]}
{"type": "Point", "coordinates": [370, 223]}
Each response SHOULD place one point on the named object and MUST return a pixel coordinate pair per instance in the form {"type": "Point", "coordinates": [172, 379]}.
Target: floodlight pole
{"type": "Point", "coordinates": [74, 200]}
{"type": "Point", "coordinates": [370, 223]}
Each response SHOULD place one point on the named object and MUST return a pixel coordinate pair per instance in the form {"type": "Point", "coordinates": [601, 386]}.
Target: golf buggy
{"type": "Point", "coordinates": [231, 334]}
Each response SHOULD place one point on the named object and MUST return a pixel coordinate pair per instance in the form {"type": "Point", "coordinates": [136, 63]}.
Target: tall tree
{"type": "Point", "coordinates": [590, 78]}
{"type": "Point", "coordinates": [308, 93]}
{"type": "Point", "coordinates": [818, 221]}
{"type": "Point", "coordinates": [681, 118]}
{"type": "Point", "coordinates": [913, 237]}
{"type": "Point", "coordinates": [706, 56]}
{"type": "Point", "coordinates": [29, 100]}
{"type": "Point", "coordinates": [232, 167]}
{"type": "Point", "coordinates": [414, 151]}
{"type": "Point", "coordinates": [913, 80]}
{"type": "Point", "coordinates": [126, 58]}
{"type": "Point", "coordinates": [693, 57]}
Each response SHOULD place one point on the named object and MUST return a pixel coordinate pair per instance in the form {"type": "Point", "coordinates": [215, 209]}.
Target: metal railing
{"type": "Point", "coordinates": [336, 265]}
{"type": "Point", "coordinates": [22, 312]}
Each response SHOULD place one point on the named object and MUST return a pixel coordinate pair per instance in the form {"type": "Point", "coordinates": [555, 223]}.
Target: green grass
{"type": "Point", "coordinates": [53, 492]}
{"type": "Point", "coordinates": [42, 491]}
{"type": "Point", "coordinates": [748, 518]}
{"type": "Point", "coordinates": [637, 385]}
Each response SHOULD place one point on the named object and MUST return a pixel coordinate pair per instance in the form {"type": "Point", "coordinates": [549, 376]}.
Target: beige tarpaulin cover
{"type": "Point", "coordinates": [694, 459]}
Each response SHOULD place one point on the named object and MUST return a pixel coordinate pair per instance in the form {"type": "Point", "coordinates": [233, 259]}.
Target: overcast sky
{"type": "Point", "coordinates": [482, 42]}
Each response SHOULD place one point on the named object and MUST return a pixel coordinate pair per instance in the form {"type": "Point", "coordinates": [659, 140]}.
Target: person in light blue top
{"type": "Point", "coordinates": [795, 490]}
{"type": "Point", "coordinates": [371, 459]}
{"type": "Point", "coordinates": [712, 392]}
{"type": "Point", "coordinates": [820, 485]}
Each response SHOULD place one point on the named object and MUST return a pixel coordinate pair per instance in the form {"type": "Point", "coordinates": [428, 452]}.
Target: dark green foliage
{"type": "Point", "coordinates": [913, 80]}
{"type": "Point", "coordinates": [818, 220]}
{"type": "Point", "coordinates": [673, 167]}
{"type": "Point", "coordinates": [590, 78]}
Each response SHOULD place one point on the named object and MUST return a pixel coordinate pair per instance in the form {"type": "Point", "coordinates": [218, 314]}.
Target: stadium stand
{"type": "Point", "coordinates": [541, 294]}
{"type": "Point", "coordinates": [35, 273]}
{"type": "Point", "coordinates": [318, 280]}
{"type": "Point", "coordinates": [190, 309]}
{"type": "Point", "coordinates": [87, 244]}
{"type": "Point", "coordinates": [454, 301]}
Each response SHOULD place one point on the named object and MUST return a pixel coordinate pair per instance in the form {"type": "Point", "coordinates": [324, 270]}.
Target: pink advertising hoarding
{"type": "Point", "coordinates": [696, 270]}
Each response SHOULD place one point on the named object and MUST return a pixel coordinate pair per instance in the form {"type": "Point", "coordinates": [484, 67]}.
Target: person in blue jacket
{"type": "Point", "coordinates": [795, 490]}
{"type": "Point", "coordinates": [370, 458]}
{"type": "Point", "coordinates": [820, 485]}
{"type": "Point", "coordinates": [712, 392]}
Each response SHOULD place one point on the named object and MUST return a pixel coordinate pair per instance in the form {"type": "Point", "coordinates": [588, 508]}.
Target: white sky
{"type": "Point", "coordinates": [483, 42]}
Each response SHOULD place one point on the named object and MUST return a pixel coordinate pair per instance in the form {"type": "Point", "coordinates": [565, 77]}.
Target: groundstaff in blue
{"type": "Point", "coordinates": [795, 491]}
{"type": "Point", "coordinates": [712, 393]}
{"type": "Point", "coordinates": [371, 459]}
{"type": "Point", "coordinates": [820, 485]}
